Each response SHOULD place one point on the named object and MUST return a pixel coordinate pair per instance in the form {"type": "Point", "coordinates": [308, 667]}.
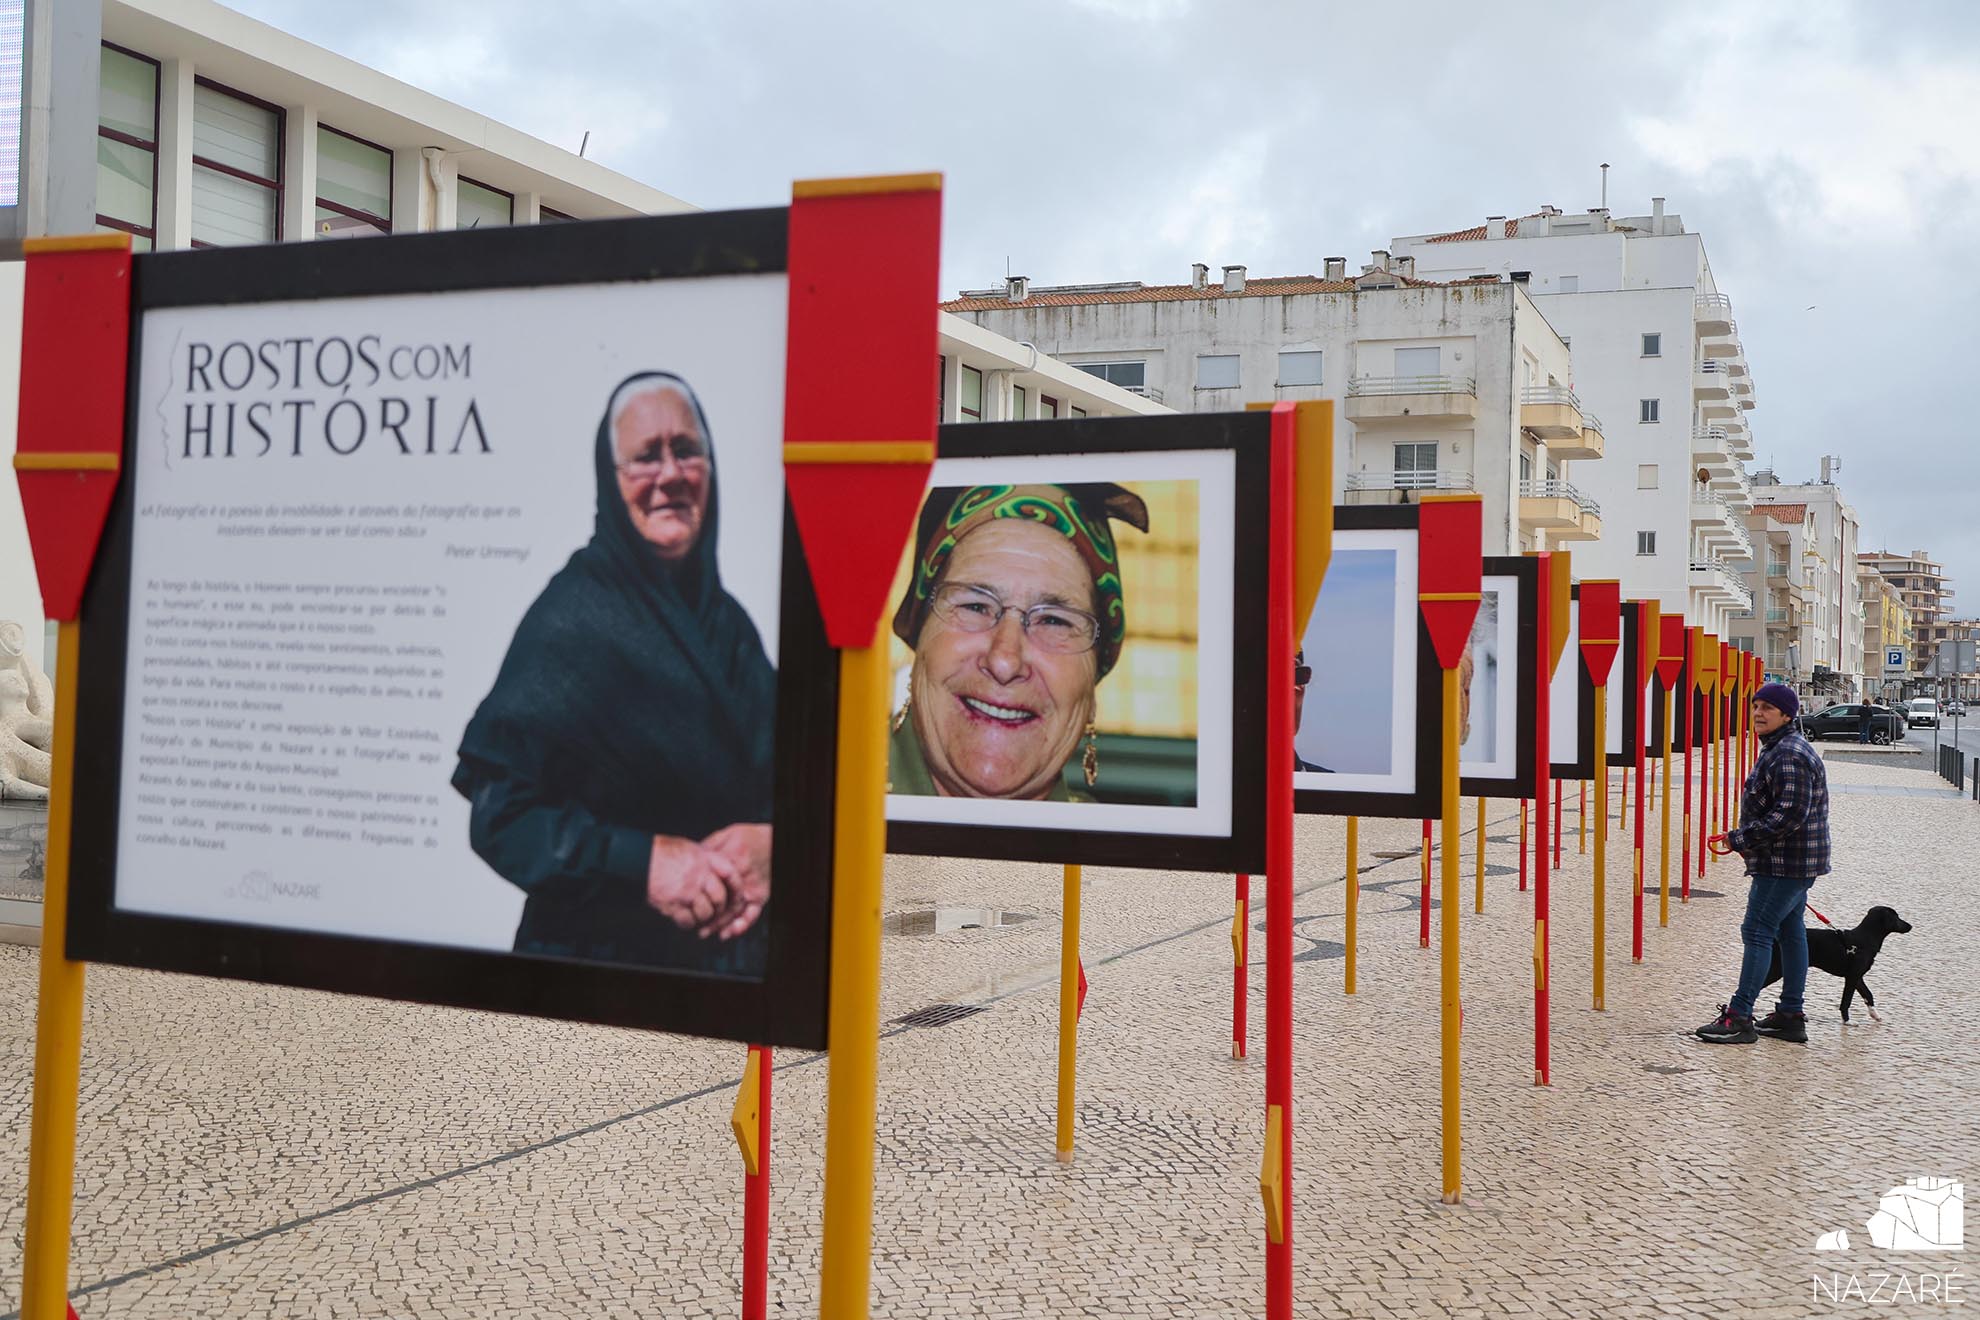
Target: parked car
{"type": "Point", "coordinates": [1923, 711]}
{"type": "Point", "coordinates": [1956, 708]}
{"type": "Point", "coordinates": [1886, 725]}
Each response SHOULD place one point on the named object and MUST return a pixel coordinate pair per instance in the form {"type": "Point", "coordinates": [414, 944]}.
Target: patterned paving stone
{"type": "Point", "coordinates": [253, 1152]}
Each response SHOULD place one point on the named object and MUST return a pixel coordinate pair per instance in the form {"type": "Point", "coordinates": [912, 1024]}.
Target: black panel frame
{"type": "Point", "coordinates": [1247, 435]}
{"type": "Point", "coordinates": [1583, 766]}
{"type": "Point", "coordinates": [1526, 711]}
{"type": "Point", "coordinates": [787, 1005]}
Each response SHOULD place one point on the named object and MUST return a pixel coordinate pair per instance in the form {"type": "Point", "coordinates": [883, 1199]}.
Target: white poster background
{"type": "Point", "coordinates": [1492, 751]}
{"type": "Point", "coordinates": [1329, 642]}
{"type": "Point", "coordinates": [1215, 472]}
{"type": "Point", "coordinates": [1564, 694]}
{"type": "Point", "coordinates": [543, 364]}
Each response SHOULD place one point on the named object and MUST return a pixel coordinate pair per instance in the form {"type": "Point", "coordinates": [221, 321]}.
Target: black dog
{"type": "Point", "coordinates": [1849, 953]}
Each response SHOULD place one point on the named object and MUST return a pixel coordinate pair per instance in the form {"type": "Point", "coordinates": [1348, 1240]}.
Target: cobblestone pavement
{"type": "Point", "coordinates": [254, 1152]}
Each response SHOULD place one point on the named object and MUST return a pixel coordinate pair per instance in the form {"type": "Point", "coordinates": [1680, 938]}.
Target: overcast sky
{"type": "Point", "coordinates": [1829, 153]}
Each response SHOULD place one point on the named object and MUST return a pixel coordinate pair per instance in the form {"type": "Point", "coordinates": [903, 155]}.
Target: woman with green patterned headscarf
{"type": "Point", "coordinates": [1015, 612]}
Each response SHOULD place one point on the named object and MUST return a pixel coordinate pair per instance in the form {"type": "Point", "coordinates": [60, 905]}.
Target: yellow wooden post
{"type": "Point", "coordinates": [1664, 814]}
{"type": "Point", "coordinates": [1353, 892]}
{"type": "Point", "coordinates": [1068, 1012]}
{"type": "Point", "coordinates": [57, 1029]}
{"type": "Point", "coordinates": [853, 1002]}
{"type": "Point", "coordinates": [1601, 843]}
{"type": "Point", "coordinates": [1479, 901]}
{"type": "Point", "coordinates": [1451, 1010]}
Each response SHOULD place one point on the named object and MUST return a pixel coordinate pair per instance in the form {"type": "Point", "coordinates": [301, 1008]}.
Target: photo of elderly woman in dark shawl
{"type": "Point", "coordinates": [620, 769]}
{"type": "Point", "coordinates": [1015, 611]}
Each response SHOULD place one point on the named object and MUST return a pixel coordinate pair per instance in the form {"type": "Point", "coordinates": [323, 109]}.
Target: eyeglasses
{"type": "Point", "coordinates": [1302, 675]}
{"type": "Point", "coordinates": [687, 451]}
{"type": "Point", "coordinates": [1055, 628]}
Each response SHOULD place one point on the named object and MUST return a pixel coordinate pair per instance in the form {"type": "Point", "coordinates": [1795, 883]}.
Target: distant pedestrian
{"type": "Point", "coordinates": [1784, 838]}
{"type": "Point", "coordinates": [1864, 713]}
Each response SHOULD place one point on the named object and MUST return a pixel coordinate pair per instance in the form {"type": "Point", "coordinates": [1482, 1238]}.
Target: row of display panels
{"type": "Point", "coordinates": [451, 639]}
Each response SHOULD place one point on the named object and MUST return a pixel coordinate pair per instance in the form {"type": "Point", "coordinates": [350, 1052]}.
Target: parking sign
{"type": "Point", "coordinates": [1893, 659]}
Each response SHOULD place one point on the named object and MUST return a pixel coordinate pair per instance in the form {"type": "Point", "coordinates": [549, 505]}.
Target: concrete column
{"type": "Point", "coordinates": [412, 200]}
{"type": "Point", "coordinates": [298, 174]}
{"type": "Point", "coordinates": [528, 208]}
{"type": "Point", "coordinates": [175, 153]}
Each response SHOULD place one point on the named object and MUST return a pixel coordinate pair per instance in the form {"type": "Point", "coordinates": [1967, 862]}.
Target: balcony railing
{"type": "Point", "coordinates": [1145, 391]}
{"type": "Point", "coordinates": [1551, 394]}
{"type": "Point", "coordinates": [1707, 303]}
{"type": "Point", "coordinates": [1777, 568]}
{"type": "Point", "coordinates": [1441, 479]}
{"type": "Point", "coordinates": [1364, 386]}
{"type": "Point", "coordinates": [1559, 490]}
{"type": "Point", "coordinates": [1775, 614]}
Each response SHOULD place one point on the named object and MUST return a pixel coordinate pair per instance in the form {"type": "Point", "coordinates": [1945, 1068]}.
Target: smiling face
{"type": "Point", "coordinates": [997, 716]}
{"type": "Point", "coordinates": [662, 461]}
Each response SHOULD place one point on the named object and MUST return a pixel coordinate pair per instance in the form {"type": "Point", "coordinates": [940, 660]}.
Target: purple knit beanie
{"type": "Point", "coordinates": [1781, 697]}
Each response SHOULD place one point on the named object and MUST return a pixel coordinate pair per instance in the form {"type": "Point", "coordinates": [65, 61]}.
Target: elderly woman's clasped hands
{"type": "Point", "coordinates": [715, 887]}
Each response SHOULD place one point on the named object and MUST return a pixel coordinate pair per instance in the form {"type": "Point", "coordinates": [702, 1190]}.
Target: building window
{"type": "Point", "coordinates": [941, 388]}
{"type": "Point", "coordinates": [1646, 543]}
{"type": "Point", "coordinates": [1127, 375]}
{"type": "Point", "coordinates": [1653, 346]}
{"type": "Point", "coordinates": [1419, 361]}
{"type": "Point", "coordinates": [478, 206]}
{"type": "Point", "coordinates": [127, 147]}
{"type": "Point", "coordinates": [1299, 368]}
{"type": "Point", "coordinates": [1646, 476]}
{"type": "Point", "coordinates": [546, 215]}
{"type": "Point", "coordinates": [1569, 284]}
{"type": "Point", "coordinates": [969, 400]}
{"type": "Point", "coordinates": [1047, 406]}
{"type": "Point", "coordinates": [1018, 412]}
{"type": "Point", "coordinates": [1526, 467]}
{"type": "Point", "coordinates": [1646, 410]}
{"type": "Point", "coordinates": [1216, 371]}
{"type": "Point", "coordinates": [1078, 411]}
{"type": "Point", "coordinates": [1522, 277]}
{"type": "Point", "coordinates": [237, 168]}
{"type": "Point", "coordinates": [353, 186]}
{"type": "Point", "coordinates": [1416, 465]}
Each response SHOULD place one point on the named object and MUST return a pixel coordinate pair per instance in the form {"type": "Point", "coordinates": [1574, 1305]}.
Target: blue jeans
{"type": "Point", "coordinates": [1773, 915]}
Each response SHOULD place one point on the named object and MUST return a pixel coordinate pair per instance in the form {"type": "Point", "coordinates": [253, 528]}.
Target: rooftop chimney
{"type": "Point", "coordinates": [1017, 288]}
{"type": "Point", "coordinates": [1381, 256]}
{"type": "Point", "coordinates": [1233, 279]}
{"type": "Point", "coordinates": [1495, 226]}
{"type": "Point", "coordinates": [1199, 276]}
{"type": "Point", "coordinates": [1406, 267]}
{"type": "Point", "coordinates": [1336, 268]}
{"type": "Point", "coordinates": [1656, 215]}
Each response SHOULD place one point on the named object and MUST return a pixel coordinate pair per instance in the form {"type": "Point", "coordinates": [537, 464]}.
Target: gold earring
{"type": "Point", "coordinates": [900, 716]}
{"type": "Point", "coordinates": [1091, 761]}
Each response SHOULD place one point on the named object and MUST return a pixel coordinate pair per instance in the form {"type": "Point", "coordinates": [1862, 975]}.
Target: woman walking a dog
{"type": "Point", "coordinates": [1784, 839]}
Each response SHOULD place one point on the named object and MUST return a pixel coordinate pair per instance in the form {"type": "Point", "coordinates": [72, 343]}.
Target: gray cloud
{"type": "Point", "coordinates": [1818, 147]}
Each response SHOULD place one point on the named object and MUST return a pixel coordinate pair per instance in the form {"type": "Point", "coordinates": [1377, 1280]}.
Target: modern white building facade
{"type": "Point", "coordinates": [1817, 585]}
{"type": "Point", "coordinates": [1438, 387]}
{"type": "Point", "coordinates": [1658, 356]}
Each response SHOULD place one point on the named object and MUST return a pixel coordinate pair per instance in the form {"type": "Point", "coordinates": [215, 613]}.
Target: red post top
{"type": "Point", "coordinates": [1450, 570]}
{"type": "Point", "coordinates": [75, 344]}
{"type": "Point", "coordinates": [865, 260]}
{"type": "Point", "coordinates": [1601, 627]}
{"type": "Point", "coordinates": [1671, 650]}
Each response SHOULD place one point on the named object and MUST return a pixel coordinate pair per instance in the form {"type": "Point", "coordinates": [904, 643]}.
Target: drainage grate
{"type": "Point", "coordinates": [937, 1015]}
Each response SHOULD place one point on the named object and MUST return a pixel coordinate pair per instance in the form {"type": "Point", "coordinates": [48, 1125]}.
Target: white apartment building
{"type": "Point", "coordinates": [1438, 386]}
{"type": "Point", "coordinates": [1816, 599]}
{"type": "Point", "coordinates": [1658, 355]}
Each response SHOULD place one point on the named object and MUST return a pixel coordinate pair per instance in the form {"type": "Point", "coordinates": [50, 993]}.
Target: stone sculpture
{"type": "Point", "coordinates": [27, 714]}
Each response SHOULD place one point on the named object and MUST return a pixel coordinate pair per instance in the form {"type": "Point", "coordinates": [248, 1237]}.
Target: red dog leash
{"type": "Point", "coordinates": [1713, 845]}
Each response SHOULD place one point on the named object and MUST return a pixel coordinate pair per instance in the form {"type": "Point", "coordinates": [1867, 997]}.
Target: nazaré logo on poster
{"type": "Point", "coordinates": [336, 393]}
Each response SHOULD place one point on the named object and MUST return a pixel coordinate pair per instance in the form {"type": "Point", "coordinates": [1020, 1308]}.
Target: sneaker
{"type": "Point", "coordinates": [1784, 1026]}
{"type": "Point", "coordinates": [1728, 1029]}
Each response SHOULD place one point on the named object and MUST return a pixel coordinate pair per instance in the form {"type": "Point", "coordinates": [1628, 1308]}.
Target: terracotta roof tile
{"type": "Point", "coordinates": [1784, 513]}
{"type": "Point", "coordinates": [1275, 286]}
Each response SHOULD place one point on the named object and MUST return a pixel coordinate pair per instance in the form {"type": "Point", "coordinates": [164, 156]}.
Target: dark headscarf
{"type": "Point", "coordinates": [636, 688]}
{"type": "Point", "coordinates": [1078, 512]}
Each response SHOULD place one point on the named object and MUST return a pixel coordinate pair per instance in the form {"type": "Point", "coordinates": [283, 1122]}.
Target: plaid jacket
{"type": "Point", "coordinates": [1784, 811]}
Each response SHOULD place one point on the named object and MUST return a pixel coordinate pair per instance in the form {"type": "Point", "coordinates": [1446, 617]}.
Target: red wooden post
{"type": "Point", "coordinates": [1547, 655]}
{"type": "Point", "coordinates": [1647, 634]}
{"type": "Point", "coordinates": [756, 1202]}
{"type": "Point", "coordinates": [1280, 644]}
{"type": "Point", "coordinates": [1687, 689]}
{"type": "Point", "coordinates": [1601, 639]}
